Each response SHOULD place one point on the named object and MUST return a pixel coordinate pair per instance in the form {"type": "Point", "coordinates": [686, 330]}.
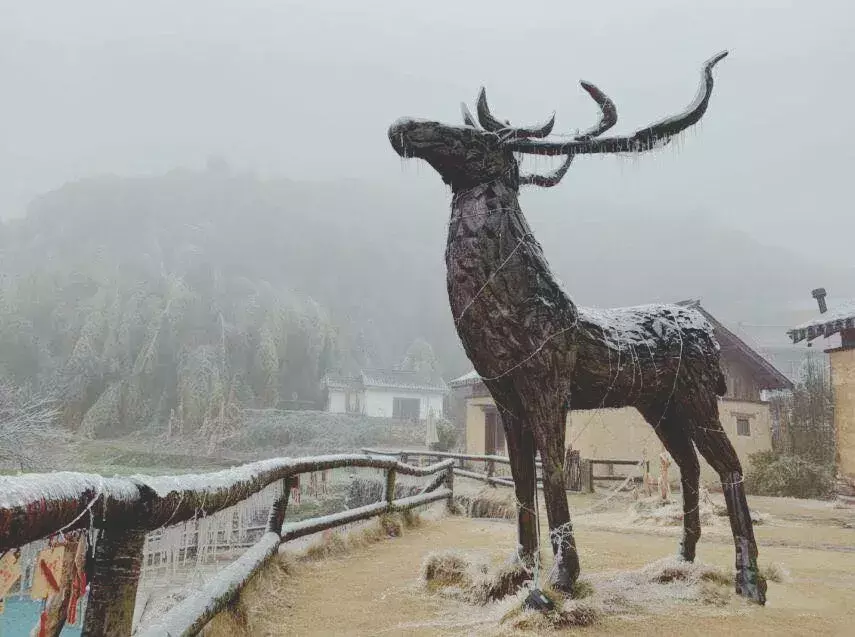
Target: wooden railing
{"type": "Point", "coordinates": [490, 461]}
{"type": "Point", "coordinates": [125, 509]}
{"type": "Point", "coordinates": [579, 472]}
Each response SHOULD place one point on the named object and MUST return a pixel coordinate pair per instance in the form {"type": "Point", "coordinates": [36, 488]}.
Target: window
{"type": "Point", "coordinates": [406, 408]}
{"type": "Point", "coordinates": [743, 426]}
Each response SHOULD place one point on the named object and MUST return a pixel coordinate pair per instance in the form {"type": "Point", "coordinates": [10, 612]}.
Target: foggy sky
{"type": "Point", "coordinates": [307, 90]}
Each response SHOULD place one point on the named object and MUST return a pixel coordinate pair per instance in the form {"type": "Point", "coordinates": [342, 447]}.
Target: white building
{"type": "Point", "coordinates": [386, 394]}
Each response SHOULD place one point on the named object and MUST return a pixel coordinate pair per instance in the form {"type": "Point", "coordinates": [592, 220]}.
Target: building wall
{"type": "Point", "coordinates": [336, 402]}
{"type": "Point", "coordinates": [741, 384]}
{"type": "Point", "coordinates": [623, 434]}
{"type": "Point", "coordinates": [476, 423]}
{"type": "Point", "coordinates": [379, 402]}
{"type": "Point", "coordinates": [843, 382]}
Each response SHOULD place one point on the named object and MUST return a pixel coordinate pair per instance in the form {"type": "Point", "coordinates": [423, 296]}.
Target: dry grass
{"type": "Point", "coordinates": [774, 572]}
{"type": "Point", "coordinates": [448, 568]}
{"type": "Point", "coordinates": [489, 502]}
{"type": "Point", "coordinates": [654, 512]}
{"type": "Point", "coordinates": [566, 615]}
{"type": "Point", "coordinates": [457, 575]}
{"type": "Point", "coordinates": [249, 614]}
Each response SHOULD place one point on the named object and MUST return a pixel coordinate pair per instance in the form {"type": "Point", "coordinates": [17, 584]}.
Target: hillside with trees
{"type": "Point", "coordinates": [177, 299]}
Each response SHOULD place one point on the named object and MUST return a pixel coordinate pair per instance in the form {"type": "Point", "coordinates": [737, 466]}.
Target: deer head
{"type": "Point", "coordinates": [483, 150]}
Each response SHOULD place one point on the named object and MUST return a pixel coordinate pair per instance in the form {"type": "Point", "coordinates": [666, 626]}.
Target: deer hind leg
{"type": "Point", "coordinates": [718, 451]}
{"type": "Point", "coordinates": [550, 425]}
{"type": "Point", "coordinates": [674, 434]}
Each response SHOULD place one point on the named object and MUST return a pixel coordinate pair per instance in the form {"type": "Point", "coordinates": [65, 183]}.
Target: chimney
{"type": "Point", "coordinates": [819, 295]}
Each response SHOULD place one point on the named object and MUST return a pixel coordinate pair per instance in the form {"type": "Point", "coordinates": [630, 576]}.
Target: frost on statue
{"type": "Point", "coordinates": [538, 354]}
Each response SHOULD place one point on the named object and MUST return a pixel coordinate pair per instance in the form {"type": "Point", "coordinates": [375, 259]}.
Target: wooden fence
{"type": "Point", "coordinates": [579, 473]}
{"type": "Point", "coordinates": [124, 510]}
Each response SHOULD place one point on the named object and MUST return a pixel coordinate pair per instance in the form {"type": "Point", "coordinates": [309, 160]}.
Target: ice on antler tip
{"type": "Point", "coordinates": [643, 139]}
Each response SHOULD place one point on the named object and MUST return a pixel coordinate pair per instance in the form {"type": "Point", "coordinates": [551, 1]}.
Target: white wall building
{"type": "Point", "coordinates": [386, 394]}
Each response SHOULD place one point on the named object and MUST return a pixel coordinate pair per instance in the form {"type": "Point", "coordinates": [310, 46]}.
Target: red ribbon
{"type": "Point", "coordinates": [48, 575]}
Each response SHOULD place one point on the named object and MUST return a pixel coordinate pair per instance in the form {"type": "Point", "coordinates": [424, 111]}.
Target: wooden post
{"type": "Point", "coordinates": [491, 469]}
{"type": "Point", "coordinates": [587, 476]}
{"type": "Point", "coordinates": [449, 484]}
{"type": "Point", "coordinates": [572, 470]}
{"type": "Point", "coordinates": [113, 591]}
{"type": "Point", "coordinates": [277, 511]}
{"type": "Point", "coordinates": [390, 487]}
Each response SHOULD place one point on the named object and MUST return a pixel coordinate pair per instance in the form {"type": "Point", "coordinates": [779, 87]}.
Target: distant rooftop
{"type": "Point", "coordinates": [469, 378]}
{"type": "Point", "coordinates": [825, 325]}
{"type": "Point", "coordinates": [389, 379]}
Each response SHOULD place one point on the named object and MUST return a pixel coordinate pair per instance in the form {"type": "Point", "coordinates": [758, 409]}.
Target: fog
{"type": "Point", "coordinates": [307, 89]}
{"type": "Point", "coordinates": [211, 255]}
{"type": "Point", "coordinates": [748, 212]}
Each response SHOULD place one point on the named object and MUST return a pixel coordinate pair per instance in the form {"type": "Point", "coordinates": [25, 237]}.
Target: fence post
{"type": "Point", "coordinates": [586, 478]}
{"type": "Point", "coordinates": [572, 470]}
{"type": "Point", "coordinates": [113, 591]}
{"type": "Point", "coordinates": [277, 511]}
{"type": "Point", "coordinates": [449, 484]}
{"type": "Point", "coordinates": [491, 471]}
{"type": "Point", "coordinates": [390, 487]}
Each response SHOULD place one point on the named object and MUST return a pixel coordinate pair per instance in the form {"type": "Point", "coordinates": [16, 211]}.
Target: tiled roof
{"type": "Point", "coordinates": [335, 381]}
{"type": "Point", "coordinates": [768, 376]}
{"type": "Point", "coordinates": [396, 379]}
{"type": "Point", "coordinates": [826, 325]}
{"type": "Point", "coordinates": [467, 379]}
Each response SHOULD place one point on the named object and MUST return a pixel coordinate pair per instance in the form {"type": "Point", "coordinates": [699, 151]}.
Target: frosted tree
{"type": "Point", "coordinates": [27, 428]}
{"type": "Point", "coordinates": [420, 358]}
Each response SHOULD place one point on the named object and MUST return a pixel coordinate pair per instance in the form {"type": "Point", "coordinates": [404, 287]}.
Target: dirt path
{"type": "Point", "coordinates": [375, 590]}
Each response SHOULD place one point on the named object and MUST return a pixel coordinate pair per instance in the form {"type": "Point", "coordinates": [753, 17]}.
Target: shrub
{"type": "Point", "coordinates": [446, 432]}
{"type": "Point", "coordinates": [788, 476]}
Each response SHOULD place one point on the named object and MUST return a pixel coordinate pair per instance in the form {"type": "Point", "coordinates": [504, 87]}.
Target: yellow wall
{"type": "Point", "coordinates": [624, 434]}
{"type": "Point", "coordinates": [476, 423]}
{"type": "Point", "coordinates": [843, 381]}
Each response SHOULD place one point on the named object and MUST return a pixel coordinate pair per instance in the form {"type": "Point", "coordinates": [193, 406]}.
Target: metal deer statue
{"type": "Point", "coordinates": [540, 355]}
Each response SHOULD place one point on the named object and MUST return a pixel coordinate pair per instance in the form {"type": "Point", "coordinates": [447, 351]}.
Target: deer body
{"type": "Point", "coordinates": [538, 354]}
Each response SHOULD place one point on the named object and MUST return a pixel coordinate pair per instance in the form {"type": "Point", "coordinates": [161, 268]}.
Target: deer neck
{"type": "Point", "coordinates": [498, 279]}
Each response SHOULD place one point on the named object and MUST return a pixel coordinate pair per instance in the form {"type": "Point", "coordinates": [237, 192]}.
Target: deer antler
{"type": "Point", "coordinates": [652, 136]}
{"type": "Point", "coordinates": [608, 118]}
{"type": "Point", "coordinates": [467, 116]}
{"type": "Point", "coordinates": [493, 125]}
{"type": "Point", "coordinates": [550, 179]}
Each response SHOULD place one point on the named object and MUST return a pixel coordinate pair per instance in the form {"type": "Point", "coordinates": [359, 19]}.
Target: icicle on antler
{"type": "Point", "coordinates": [608, 118]}
{"type": "Point", "coordinates": [647, 138]}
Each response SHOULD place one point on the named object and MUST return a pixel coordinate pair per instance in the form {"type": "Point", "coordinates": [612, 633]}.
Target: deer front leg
{"type": "Point", "coordinates": [565, 571]}
{"type": "Point", "coordinates": [520, 443]}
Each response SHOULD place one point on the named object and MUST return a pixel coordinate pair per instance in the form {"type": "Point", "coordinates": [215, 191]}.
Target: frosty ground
{"type": "Point", "coordinates": [376, 590]}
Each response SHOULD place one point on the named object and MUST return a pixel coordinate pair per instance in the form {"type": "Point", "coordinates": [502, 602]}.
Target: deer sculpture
{"type": "Point", "coordinates": [540, 355]}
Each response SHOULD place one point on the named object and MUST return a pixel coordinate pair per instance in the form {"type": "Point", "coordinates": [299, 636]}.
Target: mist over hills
{"type": "Point", "coordinates": [373, 255]}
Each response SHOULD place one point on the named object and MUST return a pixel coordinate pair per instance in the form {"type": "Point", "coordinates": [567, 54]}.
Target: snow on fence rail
{"type": "Point", "coordinates": [125, 509]}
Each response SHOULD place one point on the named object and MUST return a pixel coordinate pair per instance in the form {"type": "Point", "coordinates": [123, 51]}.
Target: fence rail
{"type": "Point", "coordinates": [572, 470]}
{"type": "Point", "coordinates": [36, 506]}
{"type": "Point", "coordinates": [579, 472]}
